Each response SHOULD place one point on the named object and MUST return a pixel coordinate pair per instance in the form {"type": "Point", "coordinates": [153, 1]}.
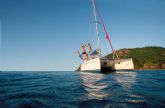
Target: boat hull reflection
{"type": "Point", "coordinates": [95, 89]}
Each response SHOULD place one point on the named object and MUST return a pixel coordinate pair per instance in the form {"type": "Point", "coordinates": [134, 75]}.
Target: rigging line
{"type": "Point", "coordinates": [105, 31]}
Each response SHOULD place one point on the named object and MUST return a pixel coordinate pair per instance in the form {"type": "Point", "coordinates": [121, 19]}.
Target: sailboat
{"type": "Point", "coordinates": [93, 60]}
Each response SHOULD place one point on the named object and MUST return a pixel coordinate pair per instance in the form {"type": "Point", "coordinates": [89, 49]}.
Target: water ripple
{"type": "Point", "coordinates": [125, 89]}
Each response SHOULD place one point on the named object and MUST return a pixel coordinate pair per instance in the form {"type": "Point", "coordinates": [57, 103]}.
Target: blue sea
{"type": "Point", "coordinates": [68, 89]}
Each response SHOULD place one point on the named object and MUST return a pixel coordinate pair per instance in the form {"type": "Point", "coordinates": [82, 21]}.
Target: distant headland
{"type": "Point", "coordinates": [146, 58]}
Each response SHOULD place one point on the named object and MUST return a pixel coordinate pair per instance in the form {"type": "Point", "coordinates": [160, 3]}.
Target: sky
{"type": "Point", "coordinates": [43, 35]}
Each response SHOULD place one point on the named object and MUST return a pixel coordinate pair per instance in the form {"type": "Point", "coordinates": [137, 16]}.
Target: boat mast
{"type": "Point", "coordinates": [96, 25]}
{"type": "Point", "coordinates": [105, 31]}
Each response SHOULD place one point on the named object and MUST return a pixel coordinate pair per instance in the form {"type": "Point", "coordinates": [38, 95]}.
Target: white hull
{"type": "Point", "coordinates": [100, 64]}
{"type": "Point", "coordinates": [91, 65]}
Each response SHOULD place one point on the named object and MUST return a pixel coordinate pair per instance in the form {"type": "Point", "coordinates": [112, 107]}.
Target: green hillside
{"type": "Point", "coordinates": [144, 58]}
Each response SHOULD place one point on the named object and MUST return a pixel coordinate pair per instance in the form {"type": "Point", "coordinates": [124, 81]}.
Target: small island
{"type": "Point", "coordinates": [146, 58]}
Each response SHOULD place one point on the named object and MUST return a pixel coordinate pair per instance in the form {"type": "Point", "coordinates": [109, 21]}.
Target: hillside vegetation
{"type": "Point", "coordinates": [144, 58]}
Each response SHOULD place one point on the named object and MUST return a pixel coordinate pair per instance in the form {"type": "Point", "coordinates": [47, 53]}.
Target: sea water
{"type": "Point", "coordinates": [68, 89]}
